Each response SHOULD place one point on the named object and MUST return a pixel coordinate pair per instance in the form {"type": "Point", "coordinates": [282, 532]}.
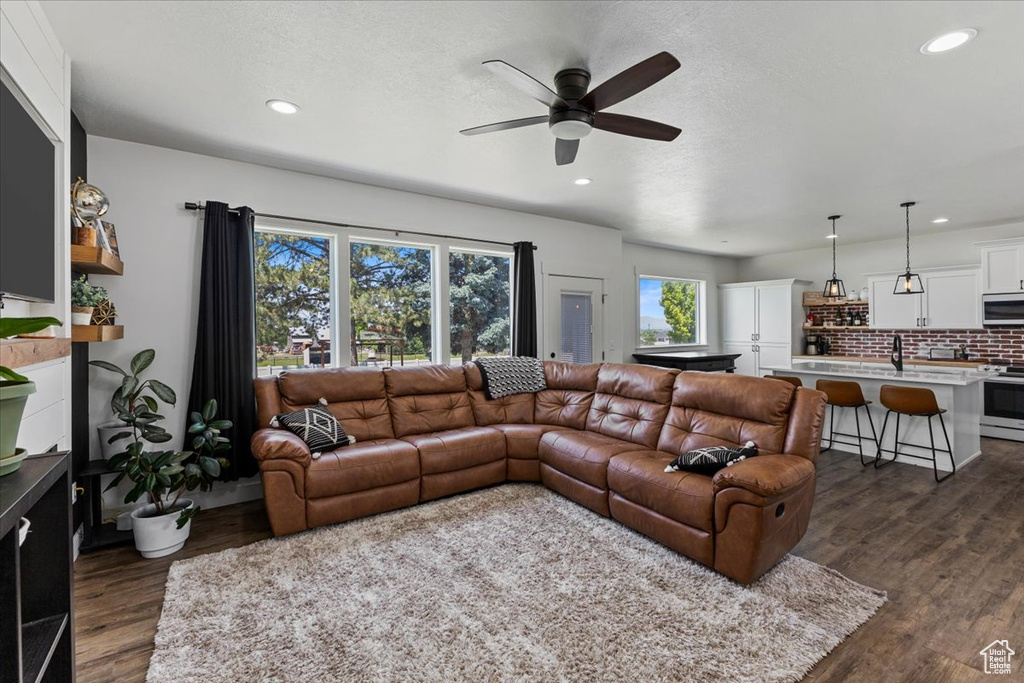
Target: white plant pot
{"type": "Point", "coordinates": [81, 318]}
{"type": "Point", "coordinates": [159, 536]}
{"type": "Point", "coordinates": [105, 432]}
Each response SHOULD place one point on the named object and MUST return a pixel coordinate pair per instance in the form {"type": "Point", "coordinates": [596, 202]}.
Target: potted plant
{"type": "Point", "coordinates": [161, 526]}
{"type": "Point", "coordinates": [133, 391]}
{"type": "Point", "coordinates": [84, 298]}
{"type": "Point", "coordinates": [14, 392]}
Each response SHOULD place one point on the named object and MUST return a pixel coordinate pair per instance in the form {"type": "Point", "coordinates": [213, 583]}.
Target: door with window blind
{"type": "Point", "coordinates": [574, 327]}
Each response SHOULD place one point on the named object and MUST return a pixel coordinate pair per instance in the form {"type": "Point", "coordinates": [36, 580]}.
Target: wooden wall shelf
{"type": "Point", "coordinates": [17, 353]}
{"type": "Point", "coordinates": [815, 299]}
{"type": "Point", "coordinates": [95, 260]}
{"type": "Point", "coordinates": [96, 333]}
{"type": "Point", "coordinates": [837, 327]}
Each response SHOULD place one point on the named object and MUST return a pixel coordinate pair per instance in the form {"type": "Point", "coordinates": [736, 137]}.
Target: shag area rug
{"type": "Point", "coordinates": [513, 583]}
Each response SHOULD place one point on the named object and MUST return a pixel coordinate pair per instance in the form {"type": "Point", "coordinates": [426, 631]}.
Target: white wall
{"type": "Point", "coordinates": [854, 261]}
{"type": "Point", "coordinates": [663, 261]}
{"type": "Point", "coordinates": [160, 243]}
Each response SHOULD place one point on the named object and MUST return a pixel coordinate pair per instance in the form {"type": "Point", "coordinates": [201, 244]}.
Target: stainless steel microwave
{"type": "Point", "coordinates": [1003, 309]}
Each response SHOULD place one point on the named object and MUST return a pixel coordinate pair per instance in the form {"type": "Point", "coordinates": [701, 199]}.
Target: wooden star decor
{"type": "Point", "coordinates": [104, 314]}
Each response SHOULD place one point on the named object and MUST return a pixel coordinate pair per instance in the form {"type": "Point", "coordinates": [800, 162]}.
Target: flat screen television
{"type": "Point", "coordinates": [28, 206]}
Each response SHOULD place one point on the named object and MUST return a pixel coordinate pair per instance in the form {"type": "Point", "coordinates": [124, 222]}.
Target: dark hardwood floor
{"type": "Point", "coordinates": [950, 556]}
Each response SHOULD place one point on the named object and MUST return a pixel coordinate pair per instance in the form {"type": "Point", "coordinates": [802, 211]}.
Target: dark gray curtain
{"type": "Point", "coordinates": [225, 361]}
{"type": "Point", "coordinates": [524, 302]}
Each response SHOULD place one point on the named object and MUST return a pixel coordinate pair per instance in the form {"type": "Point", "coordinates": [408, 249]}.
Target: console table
{"type": "Point", "coordinates": [703, 361]}
{"type": "Point", "coordinates": [37, 640]}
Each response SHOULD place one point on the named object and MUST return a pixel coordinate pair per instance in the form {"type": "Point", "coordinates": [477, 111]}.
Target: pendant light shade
{"type": "Point", "coordinates": [908, 283]}
{"type": "Point", "coordinates": [834, 287]}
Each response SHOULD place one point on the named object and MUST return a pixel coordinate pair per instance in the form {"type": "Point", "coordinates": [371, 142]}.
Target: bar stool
{"type": "Point", "coordinates": [913, 402]}
{"type": "Point", "coordinates": [841, 394]}
{"type": "Point", "coordinates": [795, 381]}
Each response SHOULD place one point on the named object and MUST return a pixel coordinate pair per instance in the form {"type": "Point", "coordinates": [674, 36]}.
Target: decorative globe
{"type": "Point", "coordinates": [88, 202]}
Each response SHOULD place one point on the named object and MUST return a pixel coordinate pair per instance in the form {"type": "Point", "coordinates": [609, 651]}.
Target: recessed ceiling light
{"type": "Point", "coordinates": [832, 236]}
{"type": "Point", "coordinates": [582, 181]}
{"type": "Point", "coordinates": [283, 106]}
{"type": "Point", "coordinates": [948, 41]}
{"type": "Point", "coordinates": [941, 220]}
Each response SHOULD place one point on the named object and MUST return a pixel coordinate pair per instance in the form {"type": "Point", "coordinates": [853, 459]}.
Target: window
{"type": "Point", "coordinates": [293, 301]}
{"type": "Point", "coordinates": [671, 311]}
{"type": "Point", "coordinates": [478, 299]}
{"type": "Point", "coordinates": [391, 288]}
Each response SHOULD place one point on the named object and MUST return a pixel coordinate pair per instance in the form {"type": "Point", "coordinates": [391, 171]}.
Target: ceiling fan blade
{"type": "Point", "coordinates": [565, 151]}
{"type": "Point", "coordinates": [638, 128]}
{"type": "Point", "coordinates": [631, 81]}
{"type": "Point", "coordinates": [525, 82]}
{"type": "Point", "coordinates": [505, 125]}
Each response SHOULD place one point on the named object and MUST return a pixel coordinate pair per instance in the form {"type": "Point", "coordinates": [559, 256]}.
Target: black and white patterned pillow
{"type": "Point", "coordinates": [711, 459]}
{"type": "Point", "coordinates": [316, 426]}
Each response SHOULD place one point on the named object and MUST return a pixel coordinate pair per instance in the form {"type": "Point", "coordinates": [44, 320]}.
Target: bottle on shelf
{"type": "Point", "coordinates": [857, 321]}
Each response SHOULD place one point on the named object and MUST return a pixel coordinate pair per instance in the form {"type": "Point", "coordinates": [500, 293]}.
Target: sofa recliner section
{"type": "Point", "coordinates": [599, 434]}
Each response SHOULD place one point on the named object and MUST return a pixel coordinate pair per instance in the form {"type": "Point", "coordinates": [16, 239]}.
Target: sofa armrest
{"type": "Point", "coordinates": [277, 444]}
{"type": "Point", "coordinates": [765, 475]}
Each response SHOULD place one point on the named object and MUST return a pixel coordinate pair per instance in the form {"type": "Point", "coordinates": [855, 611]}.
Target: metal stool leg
{"type": "Point", "coordinates": [831, 425]}
{"type": "Point", "coordinates": [874, 434]}
{"type": "Point", "coordinates": [860, 447]}
{"type": "Point", "coordinates": [879, 460]}
{"type": "Point", "coordinates": [949, 449]}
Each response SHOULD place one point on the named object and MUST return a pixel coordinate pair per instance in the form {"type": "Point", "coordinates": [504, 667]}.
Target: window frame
{"type": "Point", "coordinates": [702, 312]}
{"type": "Point", "coordinates": [340, 273]}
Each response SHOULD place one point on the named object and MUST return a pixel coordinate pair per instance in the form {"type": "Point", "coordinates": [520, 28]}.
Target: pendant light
{"type": "Point", "coordinates": [908, 283]}
{"type": "Point", "coordinates": [834, 288]}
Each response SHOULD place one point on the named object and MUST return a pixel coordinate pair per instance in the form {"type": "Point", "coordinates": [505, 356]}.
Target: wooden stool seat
{"type": "Point", "coordinates": [841, 393]}
{"type": "Point", "coordinates": [913, 402]}
{"type": "Point", "coordinates": [845, 394]}
{"type": "Point", "coordinates": [795, 381]}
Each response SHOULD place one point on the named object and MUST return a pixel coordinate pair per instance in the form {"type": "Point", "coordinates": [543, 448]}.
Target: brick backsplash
{"type": "Point", "coordinates": [987, 345]}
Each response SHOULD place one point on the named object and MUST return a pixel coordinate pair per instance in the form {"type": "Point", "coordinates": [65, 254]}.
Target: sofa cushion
{"type": "Point", "coordinates": [686, 497]}
{"type": "Point", "coordinates": [726, 410]}
{"type": "Point", "coordinates": [581, 455]}
{"type": "Point", "coordinates": [355, 396]}
{"type": "Point", "coordinates": [362, 466]}
{"type": "Point", "coordinates": [631, 402]}
{"type": "Point", "coordinates": [428, 398]}
{"type": "Point", "coordinates": [457, 449]}
{"type": "Point", "coordinates": [514, 409]}
{"type": "Point", "coordinates": [567, 399]}
{"type": "Point", "coordinates": [522, 442]}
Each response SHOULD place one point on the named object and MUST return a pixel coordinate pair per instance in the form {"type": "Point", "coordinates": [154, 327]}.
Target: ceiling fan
{"type": "Point", "coordinates": [573, 112]}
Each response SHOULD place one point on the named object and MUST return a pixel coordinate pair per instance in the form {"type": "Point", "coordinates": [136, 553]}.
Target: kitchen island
{"type": "Point", "coordinates": [958, 390]}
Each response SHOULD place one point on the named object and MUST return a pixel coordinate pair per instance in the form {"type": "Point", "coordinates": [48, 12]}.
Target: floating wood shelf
{"type": "Point", "coordinates": [17, 353]}
{"type": "Point", "coordinates": [815, 299]}
{"type": "Point", "coordinates": [95, 260]}
{"type": "Point", "coordinates": [837, 327]}
{"type": "Point", "coordinates": [96, 333]}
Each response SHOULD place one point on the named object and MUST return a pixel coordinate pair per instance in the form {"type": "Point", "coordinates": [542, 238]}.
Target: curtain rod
{"type": "Point", "coordinates": [199, 206]}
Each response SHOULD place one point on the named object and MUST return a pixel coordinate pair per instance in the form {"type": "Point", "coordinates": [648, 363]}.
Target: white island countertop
{"type": "Point", "coordinates": [951, 376]}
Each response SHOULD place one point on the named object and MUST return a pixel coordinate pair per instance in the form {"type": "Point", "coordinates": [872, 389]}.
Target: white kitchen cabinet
{"type": "Point", "coordinates": [762, 321]}
{"type": "Point", "coordinates": [1002, 266]}
{"type": "Point", "coordinates": [951, 300]}
{"type": "Point", "coordinates": [892, 311]}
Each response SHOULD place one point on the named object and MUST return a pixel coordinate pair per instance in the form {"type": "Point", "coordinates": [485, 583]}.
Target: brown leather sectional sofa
{"type": "Point", "coordinates": [599, 434]}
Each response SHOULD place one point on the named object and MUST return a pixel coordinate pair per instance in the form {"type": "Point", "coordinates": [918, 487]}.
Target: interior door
{"type": "Point", "coordinates": [774, 309]}
{"type": "Point", "coordinates": [574, 327]}
{"type": "Point", "coordinates": [738, 311]}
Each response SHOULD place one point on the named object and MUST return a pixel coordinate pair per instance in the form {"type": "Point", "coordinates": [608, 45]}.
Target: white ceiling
{"type": "Point", "coordinates": [790, 111]}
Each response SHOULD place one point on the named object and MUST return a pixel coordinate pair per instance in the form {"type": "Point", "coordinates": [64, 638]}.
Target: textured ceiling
{"type": "Point", "coordinates": [789, 111]}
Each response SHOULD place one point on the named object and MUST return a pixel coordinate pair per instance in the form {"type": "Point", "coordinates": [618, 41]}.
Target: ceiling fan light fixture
{"type": "Point", "coordinates": [570, 129]}
{"type": "Point", "coordinates": [948, 41]}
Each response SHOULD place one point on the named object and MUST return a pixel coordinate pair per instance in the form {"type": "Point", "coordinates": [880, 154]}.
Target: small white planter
{"type": "Point", "coordinates": [108, 429]}
{"type": "Point", "coordinates": [159, 536]}
{"type": "Point", "coordinates": [81, 315]}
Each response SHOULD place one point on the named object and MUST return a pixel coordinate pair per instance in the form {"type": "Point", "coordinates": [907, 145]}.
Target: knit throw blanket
{"type": "Point", "coordinates": [507, 375]}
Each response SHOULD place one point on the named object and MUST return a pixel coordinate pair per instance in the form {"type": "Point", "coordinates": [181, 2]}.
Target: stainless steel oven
{"type": "Point", "coordinates": [1003, 309]}
{"type": "Point", "coordinates": [1003, 407]}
